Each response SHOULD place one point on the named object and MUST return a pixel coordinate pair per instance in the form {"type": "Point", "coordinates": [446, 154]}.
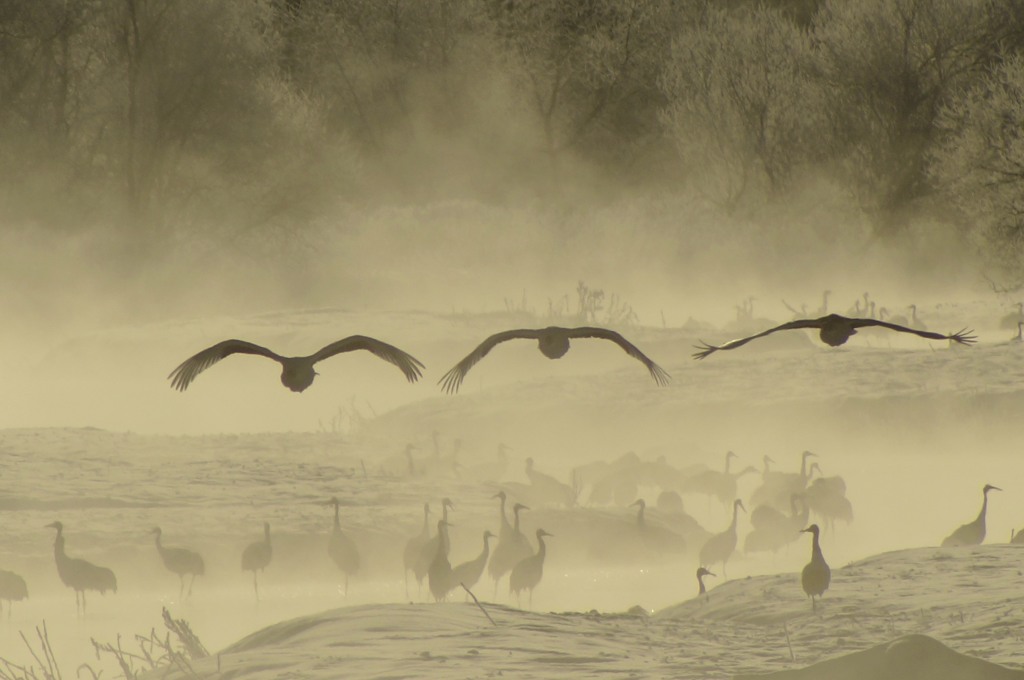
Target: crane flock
{"type": "Point", "coordinates": [783, 502]}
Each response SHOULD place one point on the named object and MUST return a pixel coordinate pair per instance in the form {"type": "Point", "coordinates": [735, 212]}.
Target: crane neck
{"type": "Point", "coordinates": [700, 581]}
{"type": "Point", "coordinates": [984, 509]}
{"type": "Point", "coordinates": [542, 550]}
{"type": "Point", "coordinates": [816, 554]}
{"type": "Point", "coordinates": [735, 514]}
{"type": "Point", "coordinates": [516, 513]}
{"type": "Point", "coordinates": [640, 515]}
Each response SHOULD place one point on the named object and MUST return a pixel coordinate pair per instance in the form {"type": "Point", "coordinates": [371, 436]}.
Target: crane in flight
{"type": "Point", "coordinates": [834, 330]}
{"type": "Point", "coordinates": [297, 373]}
{"type": "Point", "coordinates": [553, 342]}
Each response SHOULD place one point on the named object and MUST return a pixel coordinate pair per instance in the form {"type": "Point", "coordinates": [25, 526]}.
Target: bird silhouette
{"type": "Point", "coordinates": [701, 573]}
{"type": "Point", "coordinates": [297, 373]}
{"type": "Point", "coordinates": [512, 547]}
{"type": "Point", "coordinates": [256, 557]}
{"type": "Point", "coordinates": [816, 576]}
{"type": "Point", "coordinates": [79, 574]}
{"type": "Point", "coordinates": [439, 573]}
{"type": "Point", "coordinates": [12, 589]}
{"type": "Point", "coordinates": [834, 330]}
{"type": "Point", "coordinates": [526, 575]}
{"type": "Point", "coordinates": [972, 533]}
{"type": "Point", "coordinates": [469, 572]}
{"type": "Point", "coordinates": [720, 546]}
{"type": "Point", "coordinates": [341, 548]}
{"type": "Point", "coordinates": [414, 546]}
{"type": "Point", "coordinates": [180, 561]}
{"type": "Point", "coordinates": [430, 546]}
{"type": "Point", "coordinates": [553, 343]}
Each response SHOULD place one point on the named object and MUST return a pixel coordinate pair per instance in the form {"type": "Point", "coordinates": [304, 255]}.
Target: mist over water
{"type": "Point", "coordinates": [311, 184]}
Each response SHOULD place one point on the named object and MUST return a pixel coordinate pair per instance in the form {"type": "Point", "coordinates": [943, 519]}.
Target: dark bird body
{"type": "Point", "coordinates": [816, 576]}
{"type": "Point", "coordinates": [79, 574]}
{"type": "Point", "coordinates": [834, 330]}
{"type": "Point", "coordinates": [439, 573]}
{"type": "Point", "coordinates": [413, 548]}
{"type": "Point", "coordinates": [297, 373]}
{"type": "Point", "coordinates": [526, 575]}
{"type": "Point", "coordinates": [256, 556]}
{"type": "Point", "coordinates": [12, 588]}
{"type": "Point", "coordinates": [180, 561]}
{"type": "Point", "coordinates": [553, 343]}
{"type": "Point", "coordinates": [469, 572]}
{"type": "Point", "coordinates": [972, 533]}
{"type": "Point", "coordinates": [342, 549]}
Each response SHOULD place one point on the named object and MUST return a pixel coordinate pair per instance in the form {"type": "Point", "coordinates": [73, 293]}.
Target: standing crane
{"type": "Point", "coordinates": [256, 557]}
{"type": "Point", "coordinates": [972, 533]}
{"type": "Point", "coordinates": [12, 589]}
{"type": "Point", "coordinates": [528, 572]}
{"type": "Point", "coordinates": [468, 573]}
{"type": "Point", "coordinates": [720, 547]}
{"type": "Point", "coordinates": [341, 548]}
{"type": "Point", "coordinates": [429, 549]}
{"type": "Point", "coordinates": [816, 575]}
{"type": "Point", "coordinates": [510, 551]}
{"type": "Point", "coordinates": [79, 574]}
{"type": "Point", "coordinates": [414, 546]}
{"type": "Point", "coordinates": [439, 573]}
{"type": "Point", "coordinates": [180, 561]}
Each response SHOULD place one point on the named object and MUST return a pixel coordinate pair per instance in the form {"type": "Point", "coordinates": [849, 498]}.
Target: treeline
{"type": "Point", "coordinates": [250, 120]}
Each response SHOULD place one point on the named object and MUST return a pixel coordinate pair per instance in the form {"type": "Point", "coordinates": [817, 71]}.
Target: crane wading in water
{"type": "Point", "coordinates": [553, 343]}
{"type": "Point", "coordinates": [834, 330]}
{"type": "Point", "coordinates": [297, 373]}
{"type": "Point", "coordinates": [180, 561]}
{"type": "Point", "coordinates": [79, 574]}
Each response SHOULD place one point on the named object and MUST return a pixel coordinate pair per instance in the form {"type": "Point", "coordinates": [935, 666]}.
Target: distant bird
{"type": "Point", "coordinates": [657, 539]}
{"type": "Point", "coordinates": [721, 485]}
{"type": "Point", "coordinates": [511, 549]}
{"type": "Point", "coordinates": [297, 373]}
{"type": "Point", "coordinates": [548, 489]}
{"type": "Point", "coordinates": [12, 589]}
{"type": "Point", "coordinates": [469, 572]}
{"type": "Point", "coordinates": [778, 487]}
{"type": "Point", "coordinates": [719, 547]}
{"type": "Point", "coordinates": [414, 546]}
{"type": "Point", "coordinates": [834, 331]}
{"type": "Point", "coordinates": [439, 573]}
{"type": "Point", "coordinates": [429, 549]}
{"type": "Point", "coordinates": [341, 548]}
{"type": "Point", "coordinates": [180, 561]}
{"type": "Point", "coordinates": [701, 573]}
{"type": "Point", "coordinates": [1017, 538]}
{"type": "Point", "coordinates": [528, 572]}
{"type": "Point", "coordinates": [553, 343]}
{"type": "Point", "coordinates": [79, 574]}
{"type": "Point", "coordinates": [256, 556]}
{"type": "Point", "coordinates": [774, 530]}
{"type": "Point", "coordinates": [972, 533]}
{"type": "Point", "coordinates": [826, 496]}
{"type": "Point", "coordinates": [816, 575]}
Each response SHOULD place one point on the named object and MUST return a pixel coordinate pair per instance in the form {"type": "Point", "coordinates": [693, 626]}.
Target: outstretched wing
{"type": "Point", "coordinates": [451, 380]}
{"type": "Point", "coordinates": [183, 375]}
{"type": "Point", "coordinates": [410, 365]}
{"type": "Point", "coordinates": [657, 372]}
{"type": "Point", "coordinates": [963, 336]}
{"type": "Point", "coordinates": [706, 349]}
